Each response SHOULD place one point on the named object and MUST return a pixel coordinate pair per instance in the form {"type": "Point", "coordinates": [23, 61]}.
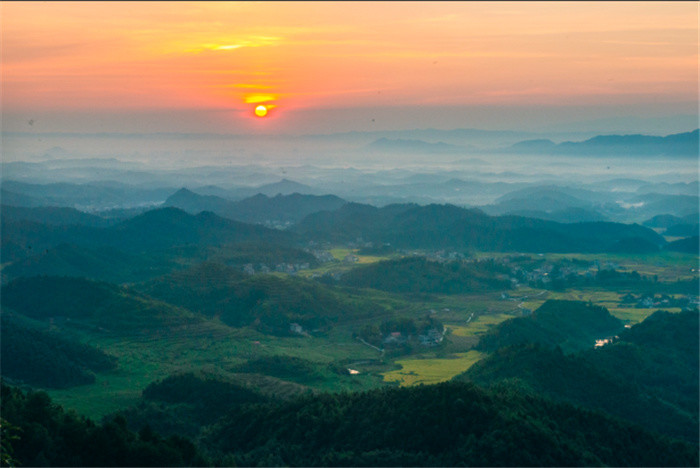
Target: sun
{"type": "Point", "coordinates": [261, 111]}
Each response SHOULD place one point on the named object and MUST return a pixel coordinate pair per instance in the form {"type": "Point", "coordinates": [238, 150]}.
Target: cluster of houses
{"type": "Point", "coordinates": [650, 301]}
{"type": "Point", "coordinates": [430, 338]}
{"type": "Point", "coordinates": [323, 256]}
{"type": "Point", "coordinates": [445, 256]}
{"type": "Point", "coordinates": [289, 268]}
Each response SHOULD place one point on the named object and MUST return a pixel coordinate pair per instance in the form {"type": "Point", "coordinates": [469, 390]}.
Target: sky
{"type": "Point", "coordinates": [325, 67]}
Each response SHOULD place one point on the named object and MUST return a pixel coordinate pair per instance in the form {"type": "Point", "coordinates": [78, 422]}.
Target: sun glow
{"type": "Point", "coordinates": [261, 111]}
{"type": "Point", "coordinates": [259, 98]}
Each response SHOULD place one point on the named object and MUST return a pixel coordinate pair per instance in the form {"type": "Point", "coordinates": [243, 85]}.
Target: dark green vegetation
{"type": "Point", "coordinates": [99, 263]}
{"type": "Point", "coordinates": [270, 303]}
{"type": "Point", "coordinates": [155, 230]}
{"type": "Point", "coordinates": [649, 374]}
{"type": "Point", "coordinates": [45, 359]}
{"type": "Point", "coordinates": [184, 404]}
{"type": "Point", "coordinates": [417, 274]}
{"type": "Point", "coordinates": [440, 425]}
{"type": "Point", "coordinates": [689, 245]}
{"type": "Point", "coordinates": [567, 324]}
{"type": "Point", "coordinates": [52, 215]}
{"type": "Point", "coordinates": [447, 226]}
{"type": "Point", "coordinates": [37, 432]}
{"type": "Point", "coordinates": [199, 326]}
{"type": "Point", "coordinates": [283, 367]}
{"type": "Point", "coordinates": [99, 307]}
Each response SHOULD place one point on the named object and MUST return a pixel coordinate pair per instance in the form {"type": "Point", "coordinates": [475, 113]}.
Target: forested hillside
{"type": "Point", "coordinates": [569, 324]}
{"type": "Point", "coordinates": [441, 425]}
{"type": "Point", "coordinates": [421, 275]}
{"type": "Point", "coordinates": [649, 374]}
{"type": "Point", "coordinates": [447, 226]}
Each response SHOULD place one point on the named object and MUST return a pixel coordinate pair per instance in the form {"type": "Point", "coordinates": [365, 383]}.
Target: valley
{"type": "Point", "coordinates": [280, 297]}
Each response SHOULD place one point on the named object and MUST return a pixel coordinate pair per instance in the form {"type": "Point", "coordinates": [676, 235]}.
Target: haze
{"type": "Point", "coordinates": [336, 67]}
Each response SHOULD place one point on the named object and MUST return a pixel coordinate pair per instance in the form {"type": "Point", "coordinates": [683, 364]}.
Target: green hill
{"type": "Point", "coordinates": [448, 226]}
{"type": "Point", "coordinates": [270, 303]}
{"type": "Point", "coordinates": [570, 325]}
{"type": "Point", "coordinates": [40, 358]}
{"type": "Point", "coordinates": [98, 263]}
{"type": "Point", "coordinates": [689, 245]}
{"type": "Point", "coordinates": [155, 230]}
{"type": "Point", "coordinates": [37, 432]}
{"type": "Point", "coordinates": [51, 215]}
{"type": "Point", "coordinates": [182, 404]}
{"type": "Point", "coordinates": [417, 274]}
{"type": "Point", "coordinates": [649, 375]}
{"type": "Point", "coordinates": [449, 424]}
{"type": "Point", "coordinates": [84, 303]}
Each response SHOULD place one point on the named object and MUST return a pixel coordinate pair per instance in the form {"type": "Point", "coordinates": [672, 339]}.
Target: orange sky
{"type": "Point", "coordinates": [91, 57]}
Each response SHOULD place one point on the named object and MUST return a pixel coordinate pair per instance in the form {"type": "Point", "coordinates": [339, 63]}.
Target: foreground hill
{"type": "Point", "coordinates": [448, 226]}
{"type": "Point", "coordinates": [37, 432]}
{"type": "Point", "coordinates": [568, 324]}
{"type": "Point", "coordinates": [648, 375]}
{"type": "Point", "coordinates": [183, 404]}
{"type": "Point", "coordinates": [34, 356]}
{"type": "Point", "coordinates": [447, 424]}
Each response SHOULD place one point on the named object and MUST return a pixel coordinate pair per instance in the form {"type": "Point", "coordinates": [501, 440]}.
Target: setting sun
{"type": "Point", "coordinates": [261, 111]}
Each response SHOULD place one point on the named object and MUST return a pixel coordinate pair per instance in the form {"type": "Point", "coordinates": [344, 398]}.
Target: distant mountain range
{"type": "Point", "coordinates": [415, 146]}
{"type": "Point", "coordinates": [259, 208]}
{"type": "Point", "coordinates": [677, 145]}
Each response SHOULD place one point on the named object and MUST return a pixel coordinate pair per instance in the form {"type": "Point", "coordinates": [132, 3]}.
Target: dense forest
{"type": "Point", "coordinates": [569, 324]}
{"type": "Point", "coordinates": [443, 425]}
{"type": "Point", "coordinates": [49, 360]}
{"type": "Point", "coordinates": [37, 432]}
{"type": "Point", "coordinates": [423, 276]}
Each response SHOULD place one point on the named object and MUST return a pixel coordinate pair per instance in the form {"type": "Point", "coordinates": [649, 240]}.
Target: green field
{"type": "Point", "coordinates": [213, 347]}
{"type": "Point", "coordinates": [634, 315]}
{"type": "Point", "coordinates": [479, 325]}
{"type": "Point", "coordinates": [341, 253]}
{"type": "Point", "coordinates": [209, 347]}
{"type": "Point", "coordinates": [416, 371]}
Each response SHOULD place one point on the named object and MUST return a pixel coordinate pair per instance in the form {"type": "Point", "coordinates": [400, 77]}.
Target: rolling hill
{"type": "Point", "coordinates": [99, 306]}
{"type": "Point", "coordinates": [648, 375]}
{"type": "Point", "coordinates": [268, 302]}
{"type": "Point", "coordinates": [570, 325]}
{"type": "Point", "coordinates": [448, 226]}
{"type": "Point", "coordinates": [417, 274]}
{"type": "Point", "coordinates": [256, 209]}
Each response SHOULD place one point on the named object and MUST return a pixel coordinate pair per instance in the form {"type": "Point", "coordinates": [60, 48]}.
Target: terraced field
{"type": "Point", "coordinates": [418, 370]}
